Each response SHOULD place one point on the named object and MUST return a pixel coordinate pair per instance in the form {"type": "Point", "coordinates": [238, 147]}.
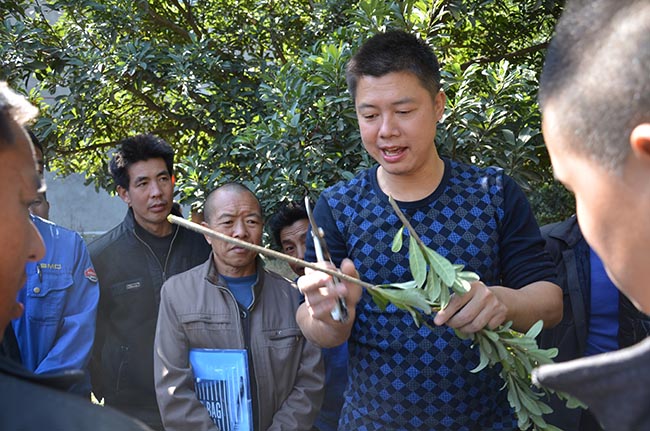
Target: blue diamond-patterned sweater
{"type": "Point", "coordinates": [401, 377]}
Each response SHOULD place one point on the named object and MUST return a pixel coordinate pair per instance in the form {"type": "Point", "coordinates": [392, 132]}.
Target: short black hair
{"type": "Point", "coordinates": [394, 51]}
{"type": "Point", "coordinates": [287, 215]}
{"type": "Point", "coordinates": [596, 75]}
{"type": "Point", "coordinates": [135, 149]}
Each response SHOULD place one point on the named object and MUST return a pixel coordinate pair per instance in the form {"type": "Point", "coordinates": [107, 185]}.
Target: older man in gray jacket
{"type": "Point", "coordinates": [232, 302]}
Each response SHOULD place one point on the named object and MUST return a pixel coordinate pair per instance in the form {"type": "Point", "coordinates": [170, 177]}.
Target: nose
{"type": "Point", "coordinates": [300, 250]}
{"type": "Point", "coordinates": [36, 248]}
{"type": "Point", "coordinates": [155, 189]}
{"type": "Point", "coordinates": [388, 126]}
{"type": "Point", "coordinates": [239, 229]}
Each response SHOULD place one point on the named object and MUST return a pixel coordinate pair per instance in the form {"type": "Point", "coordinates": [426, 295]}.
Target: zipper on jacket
{"type": "Point", "coordinates": [246, 341]}
{"type": "Point", "coordinates": [163, 268]}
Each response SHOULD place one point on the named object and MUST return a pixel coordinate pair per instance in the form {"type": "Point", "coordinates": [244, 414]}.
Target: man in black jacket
{"type": "Point", "coordinates": [132, 261]}
{"type": "Point", "coordinates": [597, 318]}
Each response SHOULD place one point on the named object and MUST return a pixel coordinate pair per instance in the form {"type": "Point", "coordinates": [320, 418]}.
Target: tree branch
{"type": "Point", "coordinates": [506, 56]}
{"type": "Point", "coordinates": [158, 19]}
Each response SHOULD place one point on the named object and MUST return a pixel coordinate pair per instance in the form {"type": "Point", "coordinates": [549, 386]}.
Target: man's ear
{"type": "Point", "coordinates": [640, 142]}
{"type": "Point", "coordinates": [124, 194]}
{"type": "Point", "coordinates": [439, 105]}
{"type": "Point", "coordinates": [207, 238]}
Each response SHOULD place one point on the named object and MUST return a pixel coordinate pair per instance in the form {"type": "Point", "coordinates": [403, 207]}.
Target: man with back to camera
{"type": "Point", "coordinates": [597, 317]}
{"type": "Point", "coordinates": [402, 376]}
{"type": "Point", "coordinates": [595, 101]}
{"type": "Point", "coordinates": [232, 302]}
{"type": "Point", "coordinates": [28, 401]}
{"type": "Point", "coordinates": [132, 261]}
{"type": "Point", "coordinates": [289, 227]}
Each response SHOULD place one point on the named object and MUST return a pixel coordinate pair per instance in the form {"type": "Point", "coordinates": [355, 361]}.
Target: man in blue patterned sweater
{"type": "Point", "coordinates": [404, 377]}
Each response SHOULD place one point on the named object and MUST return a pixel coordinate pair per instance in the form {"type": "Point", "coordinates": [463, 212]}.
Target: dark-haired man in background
{"type": "Point", "coordinates": [132, 261]}
{"type": "Point", "coordinates": [289, 227]}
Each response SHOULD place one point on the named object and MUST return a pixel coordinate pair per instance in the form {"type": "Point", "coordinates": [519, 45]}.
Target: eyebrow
{"type": "Point", "coordinates": [144, 177]}
{"type": "Point", "coordinates": [396, 103]}
{"type": "Point", "coordinates": [228, 215]}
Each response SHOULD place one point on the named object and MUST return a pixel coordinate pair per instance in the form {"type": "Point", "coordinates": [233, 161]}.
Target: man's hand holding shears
{"type": "Point", "coordinates": [327, 315]}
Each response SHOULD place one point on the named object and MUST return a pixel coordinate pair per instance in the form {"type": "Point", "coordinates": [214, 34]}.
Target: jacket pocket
{"type": "Point", "coordinates": [283, 338]}
{"type": "Point", "coordinates": [193, 322]}
{"type": "Point", "coordinates": [208, 330]}
{"type": "Point", "coordinates": [46, 299]}
{"type": "Point", "coordinates": [135, 285]}
{"type": "Point", "coordinates": [134, 298]}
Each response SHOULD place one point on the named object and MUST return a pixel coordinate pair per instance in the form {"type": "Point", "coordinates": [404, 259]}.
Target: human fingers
{"type": "Point", "coordinates": [352, 291]}
{"type": "Point", "coordinates": [456, 303]}
{"type": "Point", "coordinates": [322, 292]}
{"type": "Point", "coordinates": [483, 310]}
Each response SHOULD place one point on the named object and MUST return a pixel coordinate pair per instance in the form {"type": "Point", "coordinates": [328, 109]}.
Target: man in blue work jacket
{"type": "Point", "coordinates": [57, 330]}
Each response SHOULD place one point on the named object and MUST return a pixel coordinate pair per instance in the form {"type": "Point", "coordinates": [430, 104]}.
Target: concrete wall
{"type": "Point", "coordinates": [81, 208]}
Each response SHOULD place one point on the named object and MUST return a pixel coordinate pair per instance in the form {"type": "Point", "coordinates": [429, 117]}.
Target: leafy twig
{"type": "Point", "coordinates": [434, 278]}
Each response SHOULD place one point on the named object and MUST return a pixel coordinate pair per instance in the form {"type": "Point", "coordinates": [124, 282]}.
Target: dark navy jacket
{"type": "Point", "coordinates": [570, 251]}
{"type": "Point", "coordinates": [31, 402]}
{"type": "Point", "coordinates": [130, 278]}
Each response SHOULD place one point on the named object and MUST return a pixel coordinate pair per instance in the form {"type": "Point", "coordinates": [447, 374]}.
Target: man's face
{"type": "Point", "coordinates": [397, 120]}
{"type": "Point", "coordinates": [238, 215]}
{"type": "Point", "coordinates": [20, 240]}
{"type": "Point", "coordinates": [293, 238]}
{"type": "Point", "coordinates": [150, 194]}
{"type": "Point", "coordinates": [612, 210]}
{"type": "Point", "coordinates": [40, 207]}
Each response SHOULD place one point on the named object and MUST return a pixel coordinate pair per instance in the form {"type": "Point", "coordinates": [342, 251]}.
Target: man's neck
{"type": "Point", "coordinates": [411, 188]}
{"type": "Point", "coordinates": [235, 271]}
{"type": "Point", "coordinates": [155, 229]}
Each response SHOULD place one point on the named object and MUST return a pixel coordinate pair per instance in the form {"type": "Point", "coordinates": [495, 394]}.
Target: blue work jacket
{"type": "Point", "coordinates": [57, 330]}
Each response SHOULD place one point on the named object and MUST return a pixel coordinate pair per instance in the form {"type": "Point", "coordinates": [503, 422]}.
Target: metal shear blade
{"type": "Point", "coordinates": [340, 311]}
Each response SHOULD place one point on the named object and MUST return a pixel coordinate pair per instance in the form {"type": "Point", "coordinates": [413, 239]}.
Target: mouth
{"type": "Point", "coordinates": [158, 207]}
{"type": "Point", "coordinates": [393, 153]}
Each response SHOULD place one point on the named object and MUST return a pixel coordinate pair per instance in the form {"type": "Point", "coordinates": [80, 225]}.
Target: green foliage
{"type": "Point", "coordinates": [254, 91]}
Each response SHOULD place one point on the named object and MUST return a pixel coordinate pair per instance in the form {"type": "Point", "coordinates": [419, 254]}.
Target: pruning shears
{"type": "Point", "coordinates": [340, 311]}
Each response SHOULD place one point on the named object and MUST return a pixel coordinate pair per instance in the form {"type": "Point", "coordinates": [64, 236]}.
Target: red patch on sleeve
{"type": "Point", "coordinates": [90, 275]}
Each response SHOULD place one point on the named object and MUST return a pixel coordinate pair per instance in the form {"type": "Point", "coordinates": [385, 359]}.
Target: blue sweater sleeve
{"type": "Point", "coordinates": [524, 258]}
{"type": "Point", "coordinates": [333, 236]}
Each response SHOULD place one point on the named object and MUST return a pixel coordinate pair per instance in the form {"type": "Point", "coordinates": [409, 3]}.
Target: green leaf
{"type": "Point", "coordinates": [411, 284]}
{"type": "Point", "coordinates": [444, 297]}
{"type": "Point", "coordinates": [485, 360]}
{"type": "Point", "coordinates": [405, 298]}
{"type": "Point", "coordinates": [468, 276]}
{"type": "Point", "coordinates": [433, 287]}
{"type": "Point", "coordinates": [442, 266]}
{"type": "Point", "coordinates": [397, 240]}
{"type": "Point", "coordinates": [417, 263]}
{"type": "Point", "coordinates": [534, 330]}
{"type": "Point", "coordinates": [461, 286]}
